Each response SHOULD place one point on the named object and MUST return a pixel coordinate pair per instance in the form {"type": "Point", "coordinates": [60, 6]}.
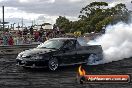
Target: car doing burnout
{"type": "Point", "coordinates": [60, 52]}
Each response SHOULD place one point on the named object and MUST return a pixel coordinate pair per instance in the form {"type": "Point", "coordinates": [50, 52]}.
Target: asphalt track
{"type": "Point", "coordinates": [12, 76]}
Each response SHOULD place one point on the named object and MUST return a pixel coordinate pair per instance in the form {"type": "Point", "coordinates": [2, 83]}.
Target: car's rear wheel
{"type": "Point", "coordinates": [93, 59]}
{"type": "Point", "coordinates": [53, 64]}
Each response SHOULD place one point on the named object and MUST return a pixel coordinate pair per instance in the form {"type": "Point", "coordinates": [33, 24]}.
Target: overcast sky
{"type": "Point", "coordinates": [47, 10]}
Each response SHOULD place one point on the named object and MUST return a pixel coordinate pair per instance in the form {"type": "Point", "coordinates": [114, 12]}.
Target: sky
{"type": "Point", "coordinates": [41, 11]}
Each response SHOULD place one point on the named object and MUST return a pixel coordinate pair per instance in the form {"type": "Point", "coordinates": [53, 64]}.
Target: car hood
{"type": "Point", "coordinates": [35, 51]}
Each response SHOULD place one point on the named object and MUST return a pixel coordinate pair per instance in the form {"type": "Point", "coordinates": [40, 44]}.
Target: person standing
{"type": "Point", "coordinates": [1, 41]}
{"type": "Point", "coordinates": [31, 30]}
{"type": "Point", "coordinates": [10, 40]}
{"type": "Point", "coordinates": [5, 39]}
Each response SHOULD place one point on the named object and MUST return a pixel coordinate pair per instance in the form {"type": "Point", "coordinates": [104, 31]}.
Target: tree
{"type": "Point", "coordinates": [93, 14]}
{"type": "Point", "coordinates": [97, 15]}
{"type": "Point", "coordinates": [121, 13]}
{"type": "Point", "coordinates": [91, 9]}
{"type": "Point", "coordinates": [63, 23]}
{"type": "Point", "coordinates": [94, 17]}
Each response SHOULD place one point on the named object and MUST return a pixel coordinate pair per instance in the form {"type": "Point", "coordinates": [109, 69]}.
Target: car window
{"type": "Point", "coordinates": [52, 44]}
{"type": "Point", "coordinates": [70, 44]}
{"type": "Point", "coordinates": [82, 41]}
{"type": "Point", "coordinates": [77, 45]}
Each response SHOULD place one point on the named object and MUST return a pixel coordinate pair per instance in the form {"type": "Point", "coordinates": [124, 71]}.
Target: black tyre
{"type": "Point", "coordinates": [53, 64]}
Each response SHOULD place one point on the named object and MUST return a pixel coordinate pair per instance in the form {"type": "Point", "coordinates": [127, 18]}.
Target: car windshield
{"type": "Point", "coordinates": [52, 44]}
{"type": "Point", "coordinates": [82, 41]}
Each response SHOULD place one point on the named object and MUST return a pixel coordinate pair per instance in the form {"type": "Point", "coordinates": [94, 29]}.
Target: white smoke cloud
{"type": "Point", "coordinates": [116, 42]}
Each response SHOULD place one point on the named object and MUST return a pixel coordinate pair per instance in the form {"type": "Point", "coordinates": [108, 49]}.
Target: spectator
{"type": "Point", "coordinates": [36, 35]}
{"type": "Point", "coordinates": [31, 30]}
{"type": "Point", "coordinates": [39, 39]}
{"type": "Point", "coordinates": [5, 39]}
{"type": "Point", "coordinates": [1, 41]}
{"type": "Point", "coordinates": [20, 33]}
{"type": "Point", "coordinates": [10, 40]}
{"type": "Point", "coordinates": [29, 40]}
{"type": "Point", "coordinates": [15, 40]}
{"type": "Point", "coordinates": [25, 31]}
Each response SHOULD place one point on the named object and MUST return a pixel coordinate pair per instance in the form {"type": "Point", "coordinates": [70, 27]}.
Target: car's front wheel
{"type": "Point", "coordinates": [53, 64]}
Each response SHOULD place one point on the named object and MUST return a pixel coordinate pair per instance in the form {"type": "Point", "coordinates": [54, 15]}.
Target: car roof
{"type": "Point", "coordinates": [63, 39]}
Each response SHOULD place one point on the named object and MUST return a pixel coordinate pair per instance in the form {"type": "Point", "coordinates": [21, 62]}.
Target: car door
{"type": "Point", "coordinates": [81, 53]}
{"type": "Point", "coordinates": [69, 52]}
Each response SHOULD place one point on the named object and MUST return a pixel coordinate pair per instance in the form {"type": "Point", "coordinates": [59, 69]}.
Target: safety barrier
{"type": "Point", "coordinates": [15, 49]}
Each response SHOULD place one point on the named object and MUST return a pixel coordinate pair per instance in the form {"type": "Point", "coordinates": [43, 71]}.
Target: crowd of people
{"type": "Point", "coordinates": [27, 36]}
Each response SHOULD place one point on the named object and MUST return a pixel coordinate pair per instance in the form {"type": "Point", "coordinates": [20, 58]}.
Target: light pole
{"type": "Point", "coordinates": [18, 26]}
{"type": "Point", "coordinates": [3, 18]}
{"type": "Point", "coordinates": [13, 25]}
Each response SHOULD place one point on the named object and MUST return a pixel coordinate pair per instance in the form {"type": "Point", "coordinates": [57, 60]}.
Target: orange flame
{"type": "Point", "coordinates": [81, 71]}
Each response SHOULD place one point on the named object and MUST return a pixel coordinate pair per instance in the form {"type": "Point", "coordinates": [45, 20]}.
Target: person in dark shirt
{"type": "Point", "coordinates": [41, 32]}
{"type": "Point", "coordinates": [31, 30]}
{"type": "Point", "coordinates": [25, 31]}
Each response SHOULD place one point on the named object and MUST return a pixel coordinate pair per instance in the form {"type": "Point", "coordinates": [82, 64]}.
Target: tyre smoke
{"type": "Point", "coordinates": [116, 42]}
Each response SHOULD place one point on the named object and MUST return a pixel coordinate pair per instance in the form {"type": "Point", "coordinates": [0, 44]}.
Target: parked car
{"type": "Point", "coordinates": [60, 52]}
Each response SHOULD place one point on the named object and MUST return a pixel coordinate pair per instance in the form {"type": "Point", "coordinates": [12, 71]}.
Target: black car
{"type": "Point", "coordinates": [60, 52]}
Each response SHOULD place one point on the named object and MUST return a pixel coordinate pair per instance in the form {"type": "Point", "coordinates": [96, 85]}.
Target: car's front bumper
{"type": "Point", "coordinates": [32, 64]}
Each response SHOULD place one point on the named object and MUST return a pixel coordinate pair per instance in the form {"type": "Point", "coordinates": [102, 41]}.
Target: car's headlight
{"type": "Point", "coordinates": [36, 57]}
{"type": "Point", "coordinates": [19, 55]}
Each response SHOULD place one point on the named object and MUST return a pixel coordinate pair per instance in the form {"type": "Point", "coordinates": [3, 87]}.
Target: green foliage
{"type": "Point", "coordinates": [94, 17]}
{"type": "Point", "coordinates": [63, 23]}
